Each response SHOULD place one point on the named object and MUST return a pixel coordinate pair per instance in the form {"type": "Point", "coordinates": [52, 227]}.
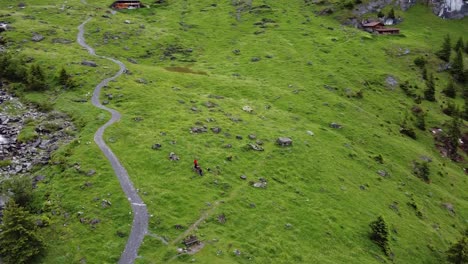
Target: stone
{"type": "Point", "coordinates": [127, 22]}
{"type": "Point", "coordinates": [156, 146]}
{"type": "Point", "coordinates": [335, 125]}
{"type": "Point", "coordinates": [89, 63]}
{"type": "Point", "coordinates": [310, 133]}
{"type": "Point", "coordinates": [252, 136]}
{"type": "Point", "coordinates": [216, 130]}
{"type": "Point", "coordinates": [247, 109]}
{"type": "Point", "coordinates": [173, 156]}
{"type": "Point", "coordinates": [449, 207]}
{"type": "Point", "coordinates": [197, 130]}
{"type": "Point", "coordinates": [105, 203]}
{"type": "Point", "coordinates": [255, 59]}
{"type": "Point", "coordinates": [90, 173]}
{"type": "Point", "coordinates": [243, 177]}
{"type": "Point", "coordinates": [261, 184]}
{"type": "Point", "coordinates": [227, 146]}
{"type": "Point", "coordinates": [383, 173]}
{"type": "Point", "coordinates": [284, 141]}
{"type": "Point", "coordinates": [391, 81]}
{"type": "Point", "coordinates": [239, 137]}
{"type": "Point", "coordinates": [254, 147]}
{"type": "Point", "coordinates": [132, 60]}
{"type": "Point", "coordinates": [37, 37]}
{"type": "Point", "coordinates": [95, 221]}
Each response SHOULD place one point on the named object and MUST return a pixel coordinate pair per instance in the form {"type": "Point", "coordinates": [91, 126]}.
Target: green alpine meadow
{"type": "Point", "coordinates": [316, 140]}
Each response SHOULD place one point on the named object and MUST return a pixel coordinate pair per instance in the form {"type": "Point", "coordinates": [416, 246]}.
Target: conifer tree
{"type": "Point", "coordinates": [391, 14]}
{"type": "Point", "coordinates": [19, 242]}
{"type": "Point", "coordinates": [450, 90]}
{"type": "Point", "coordinates": [458, 67]}
{"type": "Point", "coordinates": [444, 52]}
{"type": "Point", "coordinates": [380, 234]}
{"type": "Point", "coordinates": [36, 78]}
{"type": "Point", "coordinates": [429, 93]}
{"type": "Point", "coordinates": [459, 44]}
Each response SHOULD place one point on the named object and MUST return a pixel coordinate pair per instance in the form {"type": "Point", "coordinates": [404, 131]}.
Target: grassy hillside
{"type": "Point", "coordinates": [199, 63]}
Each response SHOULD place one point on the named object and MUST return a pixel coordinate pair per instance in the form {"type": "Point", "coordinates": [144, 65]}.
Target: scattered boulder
{"type": "Point", "coordinates": [391, 81]}
{"type": "Point", "coordinates": [216, 130]}
{"type": "Point", "coordinates": [131, 60]}
{"type": "Point", "coordinates": [105, 203]}
{"type": "Point", "coordinates": [262, 183]}
{"type": "Point", "coordinates": [335, 125]}
{"type": "Point", "coordinates": [383, 173]}
{"type": "Point", "coordinates": [197, 130]}
{"type": "Point", "coordinates": [247, 109]}
{"type": "Point", "coordinates": [243, 177]}
{"type": "Point", "coordinates": [254, 147]}
{"type": "Point", "coordinates": [284, 141]}
{"type": "Point", "coordinates": [37, 37]}
{"type": "Point", "coordinates": [239, 137]}
{"type": "Point", "coordinates": [173, 156]}
{"type": "Point", "coordinates": [89, 63]}
{"type": "Point", "coordinates": [156, 146]}
{"type": "Point", "coordinates": [90, 173]}
{"type": "Point", "coordinates": [449, 207]}
{"type": "Point", "coordinates": [252, 136]}
{"type": "Point", "coordinates": [222, 218]}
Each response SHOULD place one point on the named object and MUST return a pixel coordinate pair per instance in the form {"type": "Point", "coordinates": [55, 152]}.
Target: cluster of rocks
{"type": "Point", "coordinates": [24, 156]}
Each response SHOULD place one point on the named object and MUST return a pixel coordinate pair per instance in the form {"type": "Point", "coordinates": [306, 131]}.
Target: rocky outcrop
{"type": "Point", "coordinates": [450, 9]}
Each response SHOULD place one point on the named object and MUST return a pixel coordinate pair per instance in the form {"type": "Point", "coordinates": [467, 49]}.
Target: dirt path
{"type": "Point", "coordinates": [140, 213]}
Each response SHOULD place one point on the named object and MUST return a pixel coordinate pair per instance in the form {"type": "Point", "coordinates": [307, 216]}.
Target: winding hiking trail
{"type": "Point", "coordinates": [140, 212]}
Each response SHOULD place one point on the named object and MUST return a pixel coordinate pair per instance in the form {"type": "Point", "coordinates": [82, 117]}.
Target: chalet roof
{"type": "Point", "coordinates": [372, 24]}
{"type": "Point", "coordinates": [386, 29]}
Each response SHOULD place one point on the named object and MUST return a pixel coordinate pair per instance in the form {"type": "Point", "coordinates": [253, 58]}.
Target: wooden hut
{"type": "Point", "coordinates": [127, 4]}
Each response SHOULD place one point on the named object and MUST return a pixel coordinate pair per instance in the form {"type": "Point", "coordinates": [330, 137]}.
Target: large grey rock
{"type": "Point", "coordinates": [37, 37]}
{"type": "Point", "coordinates": [284, 141]}
{"type": "Point", "coordinates": [89, 63]}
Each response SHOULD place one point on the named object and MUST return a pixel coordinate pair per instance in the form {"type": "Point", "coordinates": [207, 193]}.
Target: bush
{"type": "Point", "coordinates": [420, 62]}
{"type": "Point", "coordinates": [458, 252]}
{"type": "Point", "coordinates": [379, 234]}
{"type": "Point", "coordinates": [349, 5]}
{"type": "Point", "coordinates": [421, 170]}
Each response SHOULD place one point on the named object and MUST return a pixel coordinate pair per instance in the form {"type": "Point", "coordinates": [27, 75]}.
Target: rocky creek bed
{"type": "Point", "coordinates": [28, 136]}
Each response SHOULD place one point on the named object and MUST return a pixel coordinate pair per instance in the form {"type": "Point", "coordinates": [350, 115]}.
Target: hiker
{"type": "Point", "coordinates": [199, 170]}
{"type": "Point", "coordinates": [195, 164]}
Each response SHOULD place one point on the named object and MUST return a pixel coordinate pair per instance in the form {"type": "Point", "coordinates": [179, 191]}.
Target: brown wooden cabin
{"type": "Point", "coordinates": [372, 26]}
{"type": "Point", "coordinates": [385, 31]}
{"type": "Point", "coordinates": [128, 4]}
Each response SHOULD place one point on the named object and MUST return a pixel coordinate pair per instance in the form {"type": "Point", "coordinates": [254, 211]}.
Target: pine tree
{"type": "Point", "coordinates": [453, 136]}
{"type": "Point", "coordinates": [458, 67]}
{"type": "Point", "coordinates": [424, 73]}
{"type": "Point", "coordinates": [63, 77]}
{"type": "Point", "coordinates": [429, 93]}
{"type": "Point", "coordinates": [459, 44]}
{"type": "Point", "coordinates": [36, 79]}
{"type": "Point", "coordinates": [458, 252]}
{"type": "Point", "coordinates": [420, 121]}
{"type": "Point", "coordinates": [19, 242]}
{"type": "Point", "coordinates": [444, 52]}
{"type": "Point", "coordinates": [450, 90]}
{"type": "Point", "coordinates": [380, 234]}
{"type": "Point", "coordinates": [391, 14]}
{"type": "Point", "coordinates": [66, 79]}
